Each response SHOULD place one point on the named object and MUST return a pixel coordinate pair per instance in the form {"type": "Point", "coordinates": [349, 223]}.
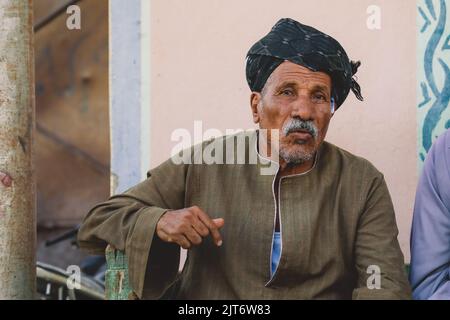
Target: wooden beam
{"type": "Point", "coordinates": [47, 10]}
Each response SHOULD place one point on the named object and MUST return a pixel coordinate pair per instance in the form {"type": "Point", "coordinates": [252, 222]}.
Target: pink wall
{"type": "Point", "coordinates": [198, 73]}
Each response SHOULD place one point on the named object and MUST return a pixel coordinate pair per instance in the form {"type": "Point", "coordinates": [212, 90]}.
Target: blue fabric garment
{"type": "Point", "coordinates": [276, 251]}
{"type": "Point", "coordinates": [430, 235]}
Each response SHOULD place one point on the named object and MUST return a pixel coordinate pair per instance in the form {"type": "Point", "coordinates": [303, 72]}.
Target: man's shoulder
{"type": "Point", "coordinates": [438, 158]}
{"type": "Point", "coordinates": [245, 139]}
{"type": "Point", "coordinates": [441, 147]}
{"type": "Point", "coordinates": [248, 135]}
{"type": "Point", "coordinates": [347, 160]}
{"type": "Point", "coordinates": [217, 149]}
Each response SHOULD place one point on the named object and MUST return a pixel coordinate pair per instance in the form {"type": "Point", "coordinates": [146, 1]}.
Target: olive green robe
{"type": "Point", "coordinates": [337, 222]}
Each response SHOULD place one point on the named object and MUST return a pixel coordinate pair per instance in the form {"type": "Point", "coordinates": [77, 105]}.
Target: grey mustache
{"type": "Point", "coordinates": [298, 124]}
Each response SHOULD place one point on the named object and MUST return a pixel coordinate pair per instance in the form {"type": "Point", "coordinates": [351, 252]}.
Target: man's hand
{"type": "Point", "coordinates": [188, 226]}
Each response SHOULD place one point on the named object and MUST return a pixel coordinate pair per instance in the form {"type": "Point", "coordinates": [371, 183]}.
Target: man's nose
{"type": "Point", "coordinates": [302, 108]}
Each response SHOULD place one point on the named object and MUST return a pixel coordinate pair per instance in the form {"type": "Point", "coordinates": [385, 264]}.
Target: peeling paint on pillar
{"type": "Point", "coordinates": [17, 187]}
{"type": "Point", "coordinates": [5, 179]}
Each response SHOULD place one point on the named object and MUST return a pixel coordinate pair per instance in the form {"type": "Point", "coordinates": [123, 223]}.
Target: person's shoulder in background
{"type": "Point", "coordinates": [430, 240]}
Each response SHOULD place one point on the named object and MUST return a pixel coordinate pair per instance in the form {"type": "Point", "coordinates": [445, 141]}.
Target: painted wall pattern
{"type": "Point", "coordinates": [433, 72]}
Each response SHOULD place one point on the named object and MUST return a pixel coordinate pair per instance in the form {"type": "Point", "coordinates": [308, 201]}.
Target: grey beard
{"type": "Point", "coordinates": [296, 157]}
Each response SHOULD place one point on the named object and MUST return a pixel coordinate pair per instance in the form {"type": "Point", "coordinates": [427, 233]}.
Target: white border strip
{"type": "Point", "coordinates": [128, 124]}
{"type": "Point", "coordinates": [145, 86]}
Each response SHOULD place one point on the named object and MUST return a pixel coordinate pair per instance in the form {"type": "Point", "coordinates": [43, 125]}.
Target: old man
{"type": "Point", "coordinates": [320, 226]}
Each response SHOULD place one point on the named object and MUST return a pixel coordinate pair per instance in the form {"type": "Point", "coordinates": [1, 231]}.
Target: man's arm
{"type": "Point", "coordinates": [377, 248]}
{"type": "Point", "coordinates": [430, 235]}
{"type": "Point", "coordinates": [128, 222]}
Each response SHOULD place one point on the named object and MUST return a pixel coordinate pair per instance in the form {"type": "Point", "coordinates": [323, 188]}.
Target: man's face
{"type": "Point", "coordinates": [296, 101]}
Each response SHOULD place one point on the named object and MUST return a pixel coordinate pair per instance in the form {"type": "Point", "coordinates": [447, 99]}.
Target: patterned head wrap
{"type": "Point", "coordinates": [305, 46]}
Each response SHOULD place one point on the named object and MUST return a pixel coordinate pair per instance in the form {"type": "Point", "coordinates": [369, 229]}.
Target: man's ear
{"type": "Point", "coordinates": [255, 99]}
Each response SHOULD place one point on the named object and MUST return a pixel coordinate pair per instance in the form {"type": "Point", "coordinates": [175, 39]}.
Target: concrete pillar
{"type": "Point", "coordinates": [17, 184]}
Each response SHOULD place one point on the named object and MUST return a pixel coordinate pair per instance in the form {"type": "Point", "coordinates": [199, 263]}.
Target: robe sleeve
{"type": "Point", "coordinates": [430, 235]}
{"type": "Point", "coordinates": [378, 259]}
{"type": "Point", "coordinates": [128, 221]}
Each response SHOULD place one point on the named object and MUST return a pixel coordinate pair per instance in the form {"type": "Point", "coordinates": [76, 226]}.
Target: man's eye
{"type": "Point", "coordinates": [287, 92]}
{"type": "Point", "coordinates": [319, 97]}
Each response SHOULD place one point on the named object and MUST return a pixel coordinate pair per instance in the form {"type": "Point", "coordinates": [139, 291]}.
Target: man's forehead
{"type": "Point", "coordinates": [289, 72]}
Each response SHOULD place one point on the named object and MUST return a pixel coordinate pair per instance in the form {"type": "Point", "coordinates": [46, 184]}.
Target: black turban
{"type": "Point", "coordinates": [308, 47]}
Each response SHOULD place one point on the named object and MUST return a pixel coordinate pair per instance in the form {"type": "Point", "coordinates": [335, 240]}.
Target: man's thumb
{"type": "Point", "coordinates": [219, 222]}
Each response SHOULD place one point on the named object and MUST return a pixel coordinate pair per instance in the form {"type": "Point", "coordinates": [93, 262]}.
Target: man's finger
{"type": "Point", "coordinates": [219, 222]}
{"type": "Point", "coordinates": [182, 241]}
{"type": "Point", "coordinates": [192, 235]}
{"type": "Point", "coordinates": [163, 235]}
{"type": "Point", "coordinates": [199, 226]}
{"type": "Point", "coordinates": [211, 226]}
{"type": "Point", "coordinates": [178, 239]}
